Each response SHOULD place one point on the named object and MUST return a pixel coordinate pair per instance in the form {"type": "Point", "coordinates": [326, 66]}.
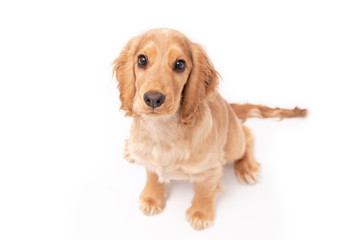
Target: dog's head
{"type": "Point", "coordinates": [161, 72]}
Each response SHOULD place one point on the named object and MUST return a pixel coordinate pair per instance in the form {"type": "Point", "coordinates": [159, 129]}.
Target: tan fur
{"type": "Point", "coordinates": [194, 133]}
{"type": "Point", "coordinates": [245, 111]}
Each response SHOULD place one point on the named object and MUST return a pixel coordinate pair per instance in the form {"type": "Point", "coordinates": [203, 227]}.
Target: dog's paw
{"type": "Point", "coordinates": [248, 174]}
{"type": "Point", "coordinates": [149, 206]}
{"type": "Point", "coordinates": [199, 219]}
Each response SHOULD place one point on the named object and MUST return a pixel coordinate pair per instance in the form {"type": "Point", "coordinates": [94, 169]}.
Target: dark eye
{"type": "Point", "coordinates": [180, 65]}
{"type": "Point", "coordinates": [142, 61]}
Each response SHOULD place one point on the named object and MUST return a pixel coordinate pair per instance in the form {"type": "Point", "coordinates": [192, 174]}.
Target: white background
{"type": "Point", "coordinates": [62, 175]}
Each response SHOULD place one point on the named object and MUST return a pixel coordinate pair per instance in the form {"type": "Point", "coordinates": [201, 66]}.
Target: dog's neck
{"type": "Point", "coordinates": [159, 128]}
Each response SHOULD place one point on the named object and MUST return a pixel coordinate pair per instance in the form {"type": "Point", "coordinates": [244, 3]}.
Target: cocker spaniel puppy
{"type": "Point", "coordinates": [182, 128]}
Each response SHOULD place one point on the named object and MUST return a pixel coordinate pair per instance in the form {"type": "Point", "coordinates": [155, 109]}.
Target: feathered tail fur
{"type": "Point", "coordinates": [245, 111]}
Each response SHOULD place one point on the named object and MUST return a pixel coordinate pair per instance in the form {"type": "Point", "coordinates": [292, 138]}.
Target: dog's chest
{"type": "Point", "coordinates": [161, 149]}
{"type": "Point", "coordinates": [165, 159]}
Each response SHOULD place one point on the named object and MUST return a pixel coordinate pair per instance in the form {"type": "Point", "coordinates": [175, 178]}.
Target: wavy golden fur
{"type": "Point", "coordinates": [182, 128]}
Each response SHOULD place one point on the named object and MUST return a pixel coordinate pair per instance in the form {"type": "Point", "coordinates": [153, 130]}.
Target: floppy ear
{"type": "Point", "coordinates": [125, 75]}
{"type": "Point", "coordinates": [201, 84]}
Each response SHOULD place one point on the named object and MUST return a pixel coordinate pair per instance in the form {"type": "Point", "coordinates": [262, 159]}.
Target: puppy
{"type": "Point", "coordinates": [182, 128]}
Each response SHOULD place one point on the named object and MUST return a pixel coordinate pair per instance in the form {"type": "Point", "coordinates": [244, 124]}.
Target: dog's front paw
{"type": "Point", "coordinates": [151, 206]}
{"type": "Point", "coordinates": [199, 218]}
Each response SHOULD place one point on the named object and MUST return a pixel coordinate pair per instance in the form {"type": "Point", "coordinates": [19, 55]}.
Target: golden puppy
{"type": "Point", "coordinates": [182, 128]}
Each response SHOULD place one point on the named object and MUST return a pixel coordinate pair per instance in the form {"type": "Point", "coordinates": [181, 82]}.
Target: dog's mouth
{"type": "Point", "coordinates": [153, 113]}
{"type": "Point", "coordinates": [156, 112]}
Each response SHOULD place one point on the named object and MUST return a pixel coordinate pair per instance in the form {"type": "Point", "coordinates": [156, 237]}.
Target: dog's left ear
{"type": "Point", "coordinates": [125, 75]}
{"type": "Point", "coordinates": [202, 83]}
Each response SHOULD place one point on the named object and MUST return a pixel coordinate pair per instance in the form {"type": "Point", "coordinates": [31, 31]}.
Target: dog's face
{"type": "Point", "coordinates": [162, 64]}
{"type": "Point", "coordinates": [162, 72]}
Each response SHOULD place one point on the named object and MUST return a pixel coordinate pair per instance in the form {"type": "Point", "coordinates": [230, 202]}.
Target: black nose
{"type": "Point", "coordinates": [154, 99]}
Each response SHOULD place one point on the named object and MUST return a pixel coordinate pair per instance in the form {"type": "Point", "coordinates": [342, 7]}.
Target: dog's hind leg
{"type": "Point", "coordinates": [247, 168]}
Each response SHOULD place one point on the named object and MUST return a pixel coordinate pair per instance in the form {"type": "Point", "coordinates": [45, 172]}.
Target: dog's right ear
{"type": "Point", "coordinates": [123, 68]}
{"type": "Point", "coordinates": [201, 84]}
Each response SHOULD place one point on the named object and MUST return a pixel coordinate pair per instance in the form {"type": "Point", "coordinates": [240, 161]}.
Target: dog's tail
{"type": "Point", "coordinates": [245, 111]}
